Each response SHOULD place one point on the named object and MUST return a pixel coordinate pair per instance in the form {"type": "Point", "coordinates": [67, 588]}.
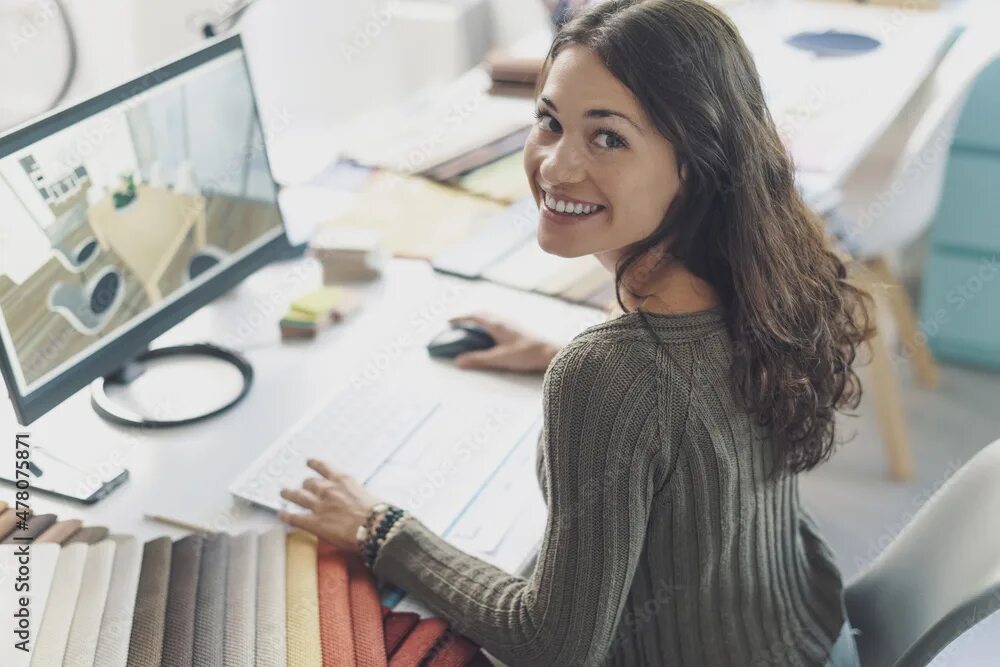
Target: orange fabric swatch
{"type": "Point", "coordinates": [419, 643]}
{"type": "Point", "coordinates": [335, 625]}
{"type": "Point", "coordinates": [366, 616]}
{"type": "Point", "coordinates": [397, 626]}
{"type": "Point", "coordinates": [453, 651]}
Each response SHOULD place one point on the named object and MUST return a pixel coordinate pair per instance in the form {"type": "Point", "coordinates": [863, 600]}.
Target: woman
{"type": "Point", "coordinates": [673, 434]}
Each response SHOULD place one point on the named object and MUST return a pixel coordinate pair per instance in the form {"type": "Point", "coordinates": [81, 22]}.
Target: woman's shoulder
{"type": "Point", "coordinates": [656, 328]}
{"type": "Point", "coordinates": [595, 367]}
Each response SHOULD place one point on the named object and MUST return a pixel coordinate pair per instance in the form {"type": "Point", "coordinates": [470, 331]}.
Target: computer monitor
{"type": "Point", "coordinates": [125, 213]}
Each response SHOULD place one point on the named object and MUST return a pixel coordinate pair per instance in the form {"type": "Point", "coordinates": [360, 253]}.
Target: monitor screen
{"type": "Point", "coordinates": [123, 209]}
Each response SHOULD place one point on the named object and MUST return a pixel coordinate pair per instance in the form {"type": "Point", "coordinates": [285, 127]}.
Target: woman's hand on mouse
{"type": "Point", "coordinates": [338, 504]}
{"type": "Point", "coordinates": [514, 351]}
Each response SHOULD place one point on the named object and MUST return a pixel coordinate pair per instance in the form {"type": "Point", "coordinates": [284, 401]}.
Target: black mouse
{"type": "Point", "coordinates": [458, 339]}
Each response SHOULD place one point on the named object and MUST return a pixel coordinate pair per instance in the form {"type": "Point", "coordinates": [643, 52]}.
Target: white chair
{"type": "Point", "coordinates": [938, 578]}
{"type": "Point", "coordinates": [890, 199]}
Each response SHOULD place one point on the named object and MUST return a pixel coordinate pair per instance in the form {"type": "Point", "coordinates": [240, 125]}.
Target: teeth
{"type": "Point", "coordinates": [574, 208]}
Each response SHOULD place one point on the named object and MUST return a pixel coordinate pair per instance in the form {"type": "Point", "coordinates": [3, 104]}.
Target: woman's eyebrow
{"type": "Point", "coordinates": [595, 113]}
{"type": "Point", "coordinates": [604, 113]}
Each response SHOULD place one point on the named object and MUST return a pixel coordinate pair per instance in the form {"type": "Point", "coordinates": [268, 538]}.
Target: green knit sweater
{"type": "Point", "coordinates": [666, 542]}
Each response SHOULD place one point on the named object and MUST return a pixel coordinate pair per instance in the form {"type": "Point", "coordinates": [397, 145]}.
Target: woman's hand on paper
{"type": "Point", "coordinates": [337, 505]}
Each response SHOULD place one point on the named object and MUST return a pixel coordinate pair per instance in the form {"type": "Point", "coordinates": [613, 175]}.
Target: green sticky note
{"type": "Point", "coordinates": [318, 303]}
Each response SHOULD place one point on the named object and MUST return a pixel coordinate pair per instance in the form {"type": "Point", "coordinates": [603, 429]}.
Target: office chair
{"type": "Point", "coordinates": [204, 259]}
{"type": "Point", "coordinates": [939, 577]}
{"type": "Point", "coordinates": [89, 307]}
{"type": "Point", "coordinates": [889, 200]}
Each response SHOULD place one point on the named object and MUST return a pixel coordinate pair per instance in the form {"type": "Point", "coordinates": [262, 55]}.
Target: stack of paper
{"type": "Point", "coordinates": [502, 234]}
{"type": "Point", "coordinates": [414, 216]}
{"type": "Point", "coordinates": [503, 179]}
{"type": "Point", "coordinates": [437, 125]}
{"type": "Point", "coordinates": [348, 253]}
{"type": "Point", "coordinates": [531, 268]}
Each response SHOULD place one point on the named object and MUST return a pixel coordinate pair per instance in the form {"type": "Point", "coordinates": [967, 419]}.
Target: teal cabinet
{"type": "Point", "coordinates": [960, 304]}
{"type": "Point", "coordinates": [969, 213]}
{"type": "Point", "coordinates": [960, 309]}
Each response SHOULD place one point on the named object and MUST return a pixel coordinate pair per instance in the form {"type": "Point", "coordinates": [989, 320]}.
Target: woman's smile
{"type": "Point", "coordinates": [567, 210]}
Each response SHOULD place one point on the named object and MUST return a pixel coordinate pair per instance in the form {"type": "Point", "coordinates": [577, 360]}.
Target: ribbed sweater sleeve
{"type": "Point", "coordinates": [605, 458]}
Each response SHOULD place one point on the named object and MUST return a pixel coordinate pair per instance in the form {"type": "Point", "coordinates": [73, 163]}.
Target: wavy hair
{"type": "Point", "coordinates": [738, 222]}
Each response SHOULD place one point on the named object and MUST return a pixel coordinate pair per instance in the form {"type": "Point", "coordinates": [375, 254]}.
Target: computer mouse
{"type": "Point", "coordinates": [458, 339]}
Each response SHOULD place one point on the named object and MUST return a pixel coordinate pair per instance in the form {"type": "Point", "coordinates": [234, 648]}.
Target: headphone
{"type": "Point", "coordinates": [226, 21]}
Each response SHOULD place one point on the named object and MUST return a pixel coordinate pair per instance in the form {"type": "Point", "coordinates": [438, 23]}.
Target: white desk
{"type": "Point", "coordinates": [184, 472]}
{"type": "Point", "coordinates": [831, 111]}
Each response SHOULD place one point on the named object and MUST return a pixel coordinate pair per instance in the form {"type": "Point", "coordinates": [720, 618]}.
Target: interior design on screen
{"type": "Point", "coordinates": [113, 216]}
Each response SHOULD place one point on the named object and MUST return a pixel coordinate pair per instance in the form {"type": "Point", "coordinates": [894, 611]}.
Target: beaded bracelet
{"type": "Point", "coordinates": [382, 523]}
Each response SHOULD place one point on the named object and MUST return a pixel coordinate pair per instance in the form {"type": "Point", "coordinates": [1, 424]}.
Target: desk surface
{"type": "Point", "coordinates": [184, 472]}
{"type": "Point", "coordinates": [831, 111]}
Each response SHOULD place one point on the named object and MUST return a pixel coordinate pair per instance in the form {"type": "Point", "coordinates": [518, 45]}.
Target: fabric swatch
{"type": "Point", "coordinates": [453, 651]}
{"type": "Point", "coordinates": [241, 599]}
{"type": "Point", "coordinates": [44, 558]}
{"type": "Point", "coordinates": [60, 531]}
{"type": "Point", "coordinates": [270, 641]}
{"type": "Point", "coordinates": [210, 614]}
{"type": "Point", "coordinates": [36, 525]}
{"type": "Point", "coordinates": [396, 626]}
{"type": "Point", "coordinates": [8, 519]}
{"type": "Point", "coordinates": [366, 616]}
{"type": "Point", "coordinates": [419, 642]}
{"type": "Point", "coordinates": [119, 608]}
{"type": "Point", "coordinates": [146, 641]}
{"type": "Point", "coordinates": [50, 646]}
{"type": "Point", "coordinates": [89, 535]}
{"type": "Point", "coordinates": [182, 595]}
{"type": "Point", "coordinates": [335, 625]}
{"type": "Point", "coordinates": [303, 647]}
{"type": "Point", "coordinates": [86, 627]}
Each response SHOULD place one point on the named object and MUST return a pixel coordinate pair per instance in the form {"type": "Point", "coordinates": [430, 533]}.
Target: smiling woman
{"type": "Point", "coordinates": [595, 147]}
{"type": "Point", "coordinates": [674, 433]}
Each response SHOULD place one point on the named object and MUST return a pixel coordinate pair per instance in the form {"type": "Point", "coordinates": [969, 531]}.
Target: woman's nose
{"type": "Point", "coordinates": [562, 163]}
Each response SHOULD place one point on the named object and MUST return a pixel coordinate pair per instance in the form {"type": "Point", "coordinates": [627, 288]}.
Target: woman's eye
{"type": "Point", "coordinates": [547, 122]}
{"type": "Point", "coordinates": [607, 139]}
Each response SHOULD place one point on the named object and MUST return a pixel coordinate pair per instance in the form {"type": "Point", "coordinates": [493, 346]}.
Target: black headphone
{"type": "Point", "coordinates": [226, 21]}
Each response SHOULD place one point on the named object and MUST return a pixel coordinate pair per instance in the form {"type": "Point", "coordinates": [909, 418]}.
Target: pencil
{"type": "Point", "coordinates": [177, 523]}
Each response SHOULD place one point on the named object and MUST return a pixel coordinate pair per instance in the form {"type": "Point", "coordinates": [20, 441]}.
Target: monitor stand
{"type": "Point", "coordinates": [117, 414]}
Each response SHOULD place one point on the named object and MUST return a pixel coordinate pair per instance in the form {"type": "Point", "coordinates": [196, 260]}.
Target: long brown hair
{"type": "Point", "coordinates": [739, 221]}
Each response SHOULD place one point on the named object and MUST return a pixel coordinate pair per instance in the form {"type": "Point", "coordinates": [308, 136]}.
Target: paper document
{"type": "Point", "coordinates": [503, 179]}
{"type": "Point", "coordinates": [513, 227]}
{"type": "Point", "coordinates": [416, 217]}
{"type": "Point", "coordinates": [438, 124]}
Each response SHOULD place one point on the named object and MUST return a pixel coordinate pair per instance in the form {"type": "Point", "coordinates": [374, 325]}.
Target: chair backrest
{"type": "Point", "coordinates": [913, 191]}
{"type": "Point", "coordinates": [939, 577]}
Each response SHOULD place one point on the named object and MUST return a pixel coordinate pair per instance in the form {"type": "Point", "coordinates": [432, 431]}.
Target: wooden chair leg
{"type": "Point", "coordinates": [889, 405]}
{"type": "Point", "coordinates": [914, 341]}
{"type": "Point", "coordinates": [888, 400]}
